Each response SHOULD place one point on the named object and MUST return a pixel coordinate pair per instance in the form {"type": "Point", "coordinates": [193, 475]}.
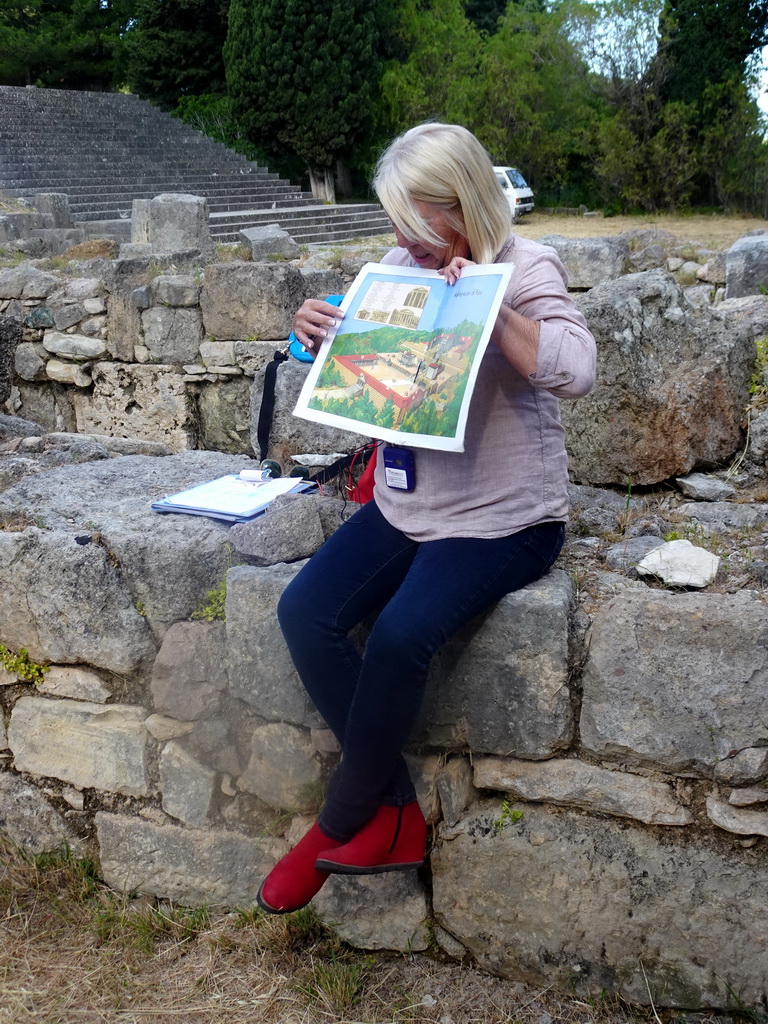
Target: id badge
{"type": "Point", "coordinates": [399, 468]}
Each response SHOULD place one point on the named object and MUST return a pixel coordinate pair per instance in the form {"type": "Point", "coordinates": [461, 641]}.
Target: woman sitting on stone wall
{"type": "Point", "coordinates": [478, 524]}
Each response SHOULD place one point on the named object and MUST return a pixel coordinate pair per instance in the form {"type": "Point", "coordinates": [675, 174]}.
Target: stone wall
{"type": "Point", "coordinates": [593, 755]}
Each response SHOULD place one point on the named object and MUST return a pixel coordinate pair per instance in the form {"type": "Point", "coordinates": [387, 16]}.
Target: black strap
{"type": "Point", "coordinates": [264, 426]}
{"type": "Point", "coordinates": [362, 455]}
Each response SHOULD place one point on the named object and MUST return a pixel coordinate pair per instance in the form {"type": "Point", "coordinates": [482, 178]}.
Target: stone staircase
{"type": "Point", "coordinates": [103, 150]}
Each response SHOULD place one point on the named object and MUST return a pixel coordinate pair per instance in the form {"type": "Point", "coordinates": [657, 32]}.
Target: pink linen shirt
{"type": "Point", "coordinates": [513, 472]}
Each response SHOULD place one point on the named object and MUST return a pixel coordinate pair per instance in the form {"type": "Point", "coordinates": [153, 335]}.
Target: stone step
{"type": "Point", "coordinates": [311, 224]}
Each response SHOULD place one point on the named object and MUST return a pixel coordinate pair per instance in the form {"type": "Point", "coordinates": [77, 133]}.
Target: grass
{"type": "Point", "coordinates": [71, 950]}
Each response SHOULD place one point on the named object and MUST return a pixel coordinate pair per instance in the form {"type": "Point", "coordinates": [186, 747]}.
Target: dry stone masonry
{"type": "Point", "coordinates": [593, 753]}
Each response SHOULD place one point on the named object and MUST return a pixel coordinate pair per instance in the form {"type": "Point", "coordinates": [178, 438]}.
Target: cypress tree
{"type": "Point", "coordinates": [301, 78]}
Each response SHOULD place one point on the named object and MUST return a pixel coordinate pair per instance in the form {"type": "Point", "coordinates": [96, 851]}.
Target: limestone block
{"type": "Point", "coordinates": [39, 317]}
{"type": "Point", "coordinates": [76, 682]}
{"type": "Point", "coordinates": [68, 373]}
{"type": "Point", "coordinates": [172, 335]}
{"type": "Point", "coordinates": [191, 866]}
{"type": "Point", "coordinates": [261, 671]}
{"type": "Point", "coordinates": [65, 602]}
{"type": "Point", "coordinates": [73, 346]}
{"type": "Point", "coordinates": [376, 911]}
{"type": "Point", "coordinates": [29, 821]}
{"type": "Point", "coordinates": [628, 553]}
{"type": "Point", "coordinates": [269, 240]}
{"type": "Point", "coordinates": [590, 261]}
{"type": "Point", "coordinates": [10, 336]}
{"type": "Point", "coordinates": [175, 290]}
{"type": "Point", "coordinates": [162, 728]}
{"type": "Point", "coordinates": [178, 220]}
{"type": "Point", "coordinates": [580, 903]}
{"type": "Point", "coordinates": [187, 785]}
{"type": "Point", "coordinates": [672, 383]}
{"type": "Point", "coordinates": [189, 673]}
{"type": "Point", "coordinates": [289, 531]}
{"type": "Point", "coordinates": [56, 204]}
{"type": "Point", "coordinates": [146, 402]}
{"type": "Point", "coordinates": [253, 356]}
{"type": "Point", "coordinates": [85, 289]}
{"type": "Point", "coordinates": [694, 670]}
{"type": "Point", "coordinates": [424, 770]}
{"type": "Point", "coordinates": [572, 783]}
{"type": "Point", "coordinates": [94, 306]}
{"type": "Point", "coordinates": [239, 300]}
{"type": "Point", "coordinates": [25, 282]}
{"type": "Point", "coordinates": [454, 786]}
{"type": "Point", "coordinates": [217, 353]}
{"type": "Point", "coordinates": [322, 282]}
{"type": "Point", "coordinates": [68, 316]}
{"type": "Point", "coordinates": [92, 746]}
{"type": "Point", "coordinates": [140, 222]}
{"type": "Point", "coordinates": [50, 408]}
{"type": "Point", "coordinates": [223, 742]}
{"type": "Point", "coordinates": [703, 487]}
{"type": "Point", "coordinates": [500, 686]}
{"type": "Point", "coordinates": [283, 770]}
{"type": "Point", "coordinates": [746, 266]}
{"type": "Point", "coordinates": [94, 327]}
{"type": "Point", "coordinates": [224, 420]}
{"type": "Point", "coordinates": [753, 309]}
{"type": "Point", "coordinates": [29, 360]}
{"type": "Point", "coordinates": [736, 819]}
{"type": "Point", "coordinates": [744, 767]}
{"type": "Point", "coordinates": [748, 796]}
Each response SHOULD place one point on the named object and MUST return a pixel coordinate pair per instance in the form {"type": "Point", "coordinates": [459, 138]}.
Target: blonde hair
{"type": "Point", "coordinates": [444, 164]}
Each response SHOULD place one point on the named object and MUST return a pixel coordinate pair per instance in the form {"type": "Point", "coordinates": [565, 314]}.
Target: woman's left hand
{"type": "Point", "coordinates": [452, 271]}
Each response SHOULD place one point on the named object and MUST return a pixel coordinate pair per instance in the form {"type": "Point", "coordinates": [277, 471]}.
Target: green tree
{"type": "Point", "coordinates": [173, 49]}
{"type": "Point", "coordinates": [709, 42]}
{"type": "Point", "coordinates": [301, 77]}
{"type": "Point", "coordinates": [67, 44]}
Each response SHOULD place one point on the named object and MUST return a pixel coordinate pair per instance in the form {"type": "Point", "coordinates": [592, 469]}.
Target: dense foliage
{"type": "Point", "coordinates": [625, 104]}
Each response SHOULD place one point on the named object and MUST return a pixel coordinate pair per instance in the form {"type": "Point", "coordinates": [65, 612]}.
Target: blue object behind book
{"type": "Point", "coordinates": [295, 347]}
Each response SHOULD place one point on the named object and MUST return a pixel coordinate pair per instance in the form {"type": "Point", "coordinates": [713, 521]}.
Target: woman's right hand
{"type": "Point", "coordinates": [313, 321]}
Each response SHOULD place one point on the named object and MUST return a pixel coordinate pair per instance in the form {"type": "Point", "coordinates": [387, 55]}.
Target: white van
{"type": "Point", "coordinates": [515, 188]}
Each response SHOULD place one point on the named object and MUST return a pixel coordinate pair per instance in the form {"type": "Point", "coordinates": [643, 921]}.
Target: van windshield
{"type": "Point", "coordinates": [518, 181]}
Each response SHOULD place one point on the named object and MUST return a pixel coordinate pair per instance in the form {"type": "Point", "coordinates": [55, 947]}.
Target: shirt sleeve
{"type": "Point", "coordinates": [567, 351]}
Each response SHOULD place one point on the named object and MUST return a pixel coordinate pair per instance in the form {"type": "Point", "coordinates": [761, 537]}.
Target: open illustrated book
{"type": "Point", "coordinates": [402, 363]}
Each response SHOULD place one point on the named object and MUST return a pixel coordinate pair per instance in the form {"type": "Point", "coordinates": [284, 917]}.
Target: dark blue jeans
{"type": "Point", "coordinates": [422, 593]}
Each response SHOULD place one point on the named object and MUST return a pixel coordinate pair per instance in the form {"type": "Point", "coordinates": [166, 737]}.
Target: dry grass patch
{"type": "Point", "coordinates": [71, 950]}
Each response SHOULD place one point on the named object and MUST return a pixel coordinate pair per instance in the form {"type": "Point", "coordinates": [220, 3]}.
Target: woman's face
{"type": "Point", "coordinates": [427, 255]}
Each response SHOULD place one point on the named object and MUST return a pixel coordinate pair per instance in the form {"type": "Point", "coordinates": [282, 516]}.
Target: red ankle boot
{"type": "Point", "coordinates": [393, 840]}
{"type": "Point", "coordinates": [294, 880]}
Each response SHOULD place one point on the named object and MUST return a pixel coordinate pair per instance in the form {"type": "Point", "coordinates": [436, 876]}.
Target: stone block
{"type": "Point", "coordinates": [269, 241]}
{"type": "Point", "coordinates": [253, 356]}
{"type": "Point", "coordinates": [175, 290]}
{"type": "Point", "coordinates": [187, 785]}
{"type": "Point", "coordinates": [76, 682]}
{"type": "Point", "coordinates": [323, 282]}
{"type": "Point", "coordinates": [178, 221]}
{"type": "Point", "coordinates": [140, 222]}
{"type": "Point", "coordinates": [583, 904]}
{"type": "Point", "coordinates": [192, 866]}
{"type": "Point", "coordinates": [694, 669]}
{"type": "Point", "coordinates": [83, 289]}
{"type": "Point", "coordinates": [217, 353]}
{"type": "Point", "coordinates": [223, 411]}
{"type": "Point", "coordinates": [454, 785]}
{"type": "Point", "coordinates": [73, 346]}
{"type": "Point", "coordinates": [57, 596]}
{"type": "Point", "coordinates": [56, 204]}
{"type": "Point", "coordinates": [387, 911]}
{"type": "Point", "coordinates": [261, 672]}
{"type": "Point", "coordinates": [26, 282]}
{"type": "Point", "coordinates": [290, 530]}
{"type": "Point", "coordinates": [501, 684]}
{"type": "Point", "coordinates": [746, 266]}
{"type": "Point", "coordinates": [283, 770]}
{"type": "Point", "coordinates": [242, 300]}
{"type": "Point", "coordinates": [572, 783]}
{"type": "Point", "coordinates": [146, 402]}
{"type": "Point", "coordinates": [29, 821]}
{"type": "Point", "coordinates": [590, 261]}
{"type": "Point", "coordinates": [68, 373]}
{"type": "Point", "coordinates": [741, 821]}
{"type": "Point", "coordinates": [189, 674]}
{"type": "Point", "coordinates": [68, 316]}
{"type": "Point", "coordinates": [92, 746]}
{"type": "Point", "coordinates": [172, 335]}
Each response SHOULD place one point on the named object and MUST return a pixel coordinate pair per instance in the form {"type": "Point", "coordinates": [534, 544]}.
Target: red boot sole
{"type": "Point", "coordinates": [354, 869]}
